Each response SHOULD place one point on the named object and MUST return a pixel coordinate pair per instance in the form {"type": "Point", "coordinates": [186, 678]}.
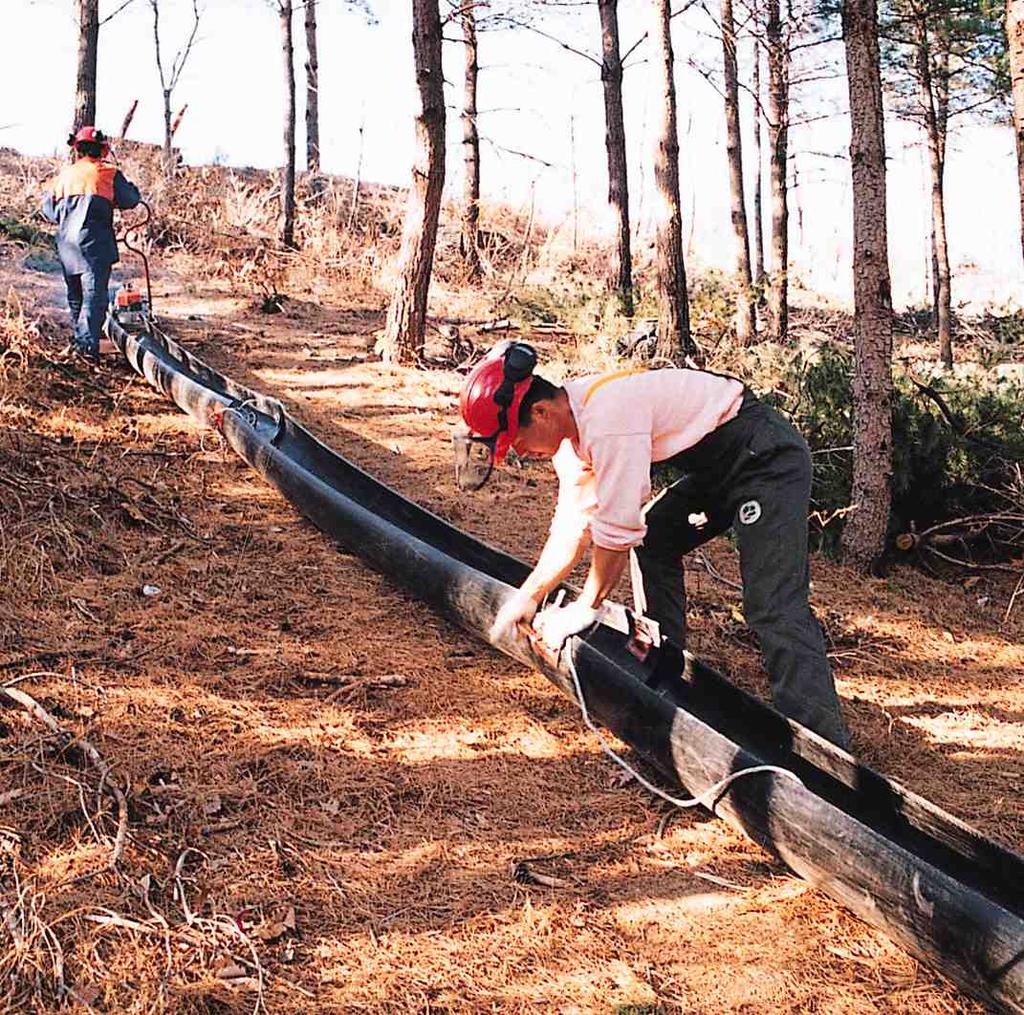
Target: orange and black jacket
{"type": "Point", "coordinates": [81, 200]}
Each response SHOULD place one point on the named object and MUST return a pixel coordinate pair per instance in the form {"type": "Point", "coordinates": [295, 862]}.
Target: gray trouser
{"type": "Point", "coordinates": [87, 303]}
{"type": "Point", "coordinates": [755, 478]}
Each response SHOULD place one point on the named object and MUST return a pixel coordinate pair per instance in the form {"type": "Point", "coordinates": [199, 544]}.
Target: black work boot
{"type": "Point", "coordinates": [91, 354]}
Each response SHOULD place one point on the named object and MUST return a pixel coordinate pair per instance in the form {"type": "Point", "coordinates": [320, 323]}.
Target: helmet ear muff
{"type": "Point", "coordinates": [493, 391]}
{"type": "Point", "coordinates": [518, 363]}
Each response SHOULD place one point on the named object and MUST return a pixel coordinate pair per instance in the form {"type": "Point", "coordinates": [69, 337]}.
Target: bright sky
{"type": "Point", "coordinates": [538, 99]}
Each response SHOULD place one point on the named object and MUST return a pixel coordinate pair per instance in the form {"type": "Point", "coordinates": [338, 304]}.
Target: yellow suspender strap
{"type": "Point", "coordinates": [602, 381]}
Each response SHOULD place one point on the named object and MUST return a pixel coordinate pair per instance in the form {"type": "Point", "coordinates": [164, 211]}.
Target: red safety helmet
{"type": "Point", "coordinates": [489, 402]}
{"type": "Point", "coordinates": [89, 134]}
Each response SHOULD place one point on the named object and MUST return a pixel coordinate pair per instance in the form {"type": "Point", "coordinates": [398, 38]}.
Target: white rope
{"type": "Point", "coordinates": [710, 794]}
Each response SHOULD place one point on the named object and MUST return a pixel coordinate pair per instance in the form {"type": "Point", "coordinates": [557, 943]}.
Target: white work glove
{"type": "Point", "coordinates": [556, 624]}
{"type": "Point", "coordinates": [519, 606]}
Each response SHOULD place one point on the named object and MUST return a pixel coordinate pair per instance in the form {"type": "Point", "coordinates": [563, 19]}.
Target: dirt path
{"type": "Point", "coordinates": [336, 753]}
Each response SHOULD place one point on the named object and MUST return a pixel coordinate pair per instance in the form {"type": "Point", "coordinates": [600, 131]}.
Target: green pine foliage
{"type": "Point", "coordinates": [942, 468]}
{"type": "Point", "coordinates": [23, 232]}
{"type": "Point", "coordinates": [965, 44]}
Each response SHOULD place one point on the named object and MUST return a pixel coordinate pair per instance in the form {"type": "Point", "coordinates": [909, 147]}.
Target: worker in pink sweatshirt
{"type": "Point", "coordinates": [742, 464]}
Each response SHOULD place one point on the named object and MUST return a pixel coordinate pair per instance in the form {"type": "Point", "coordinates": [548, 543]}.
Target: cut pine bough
{"type": "Point", "coordinates": [943, 891]}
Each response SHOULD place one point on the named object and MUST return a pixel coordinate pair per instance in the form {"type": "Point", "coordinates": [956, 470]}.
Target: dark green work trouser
{"type": "Point", "coordinates": [753, 474]}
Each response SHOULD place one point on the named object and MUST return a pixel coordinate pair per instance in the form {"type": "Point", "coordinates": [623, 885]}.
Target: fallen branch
{"type": "Point", "coordinates": [1013, 598]}
{"type": "Point", "coordinates": [228, 825]}
{"type": "Point", "coordinates": [319, 843]}
{"type": "Point", "coordinates": [27, 702]}
{"type": "Point", "coordinates": [47, 656]}
{"type": "Point", "coordinates": [954, 421]}
{"type": "Point", "coordinates": [347, 691]}
{"type": "Point", "coordinates": [38, 674]}
{"type": "Point", "coordinates": [331, 679]}
{"type": "Point", "coordinates": [165, 554]}
{"type": "Point", "coordinates": [702, 558]}
{"type": "Point", "coordinates": [962, 532]}
{"type": "Point", "coordinates": [33, 939]}
{"type": "Point", "coordinates": [715, 880]}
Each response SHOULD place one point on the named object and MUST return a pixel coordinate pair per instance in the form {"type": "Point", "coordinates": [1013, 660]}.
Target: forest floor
{"type": "Point", "coordinates": [312, 757]}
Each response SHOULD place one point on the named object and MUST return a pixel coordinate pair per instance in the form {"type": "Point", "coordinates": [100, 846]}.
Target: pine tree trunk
{"type": "Point", "coordinates": [312, 92]}
{"type": "Point", "coordinates": [470, 239]}
{"type": "Point", "coordinates": [168, 151]}
{"type": "Point", "coordinates": [935, 131]}
{"type": "Point", "coordinates": [746, 321]}
{"type": "Point", "coordinates": [88, 48]}
{"type": "Point", "coordinates": [574, 182]}
{"type": "Point", "coordinates": [863, 540]}
{"type": "Point", "coordinates": [670, 272]}
{"type": "Point", "coordinates": [943, 276]}
{"type": "Point", "coordinates": [288, 173]}
{"type": "Point", "coordinates": [621, 275]}
{"type": "Point", "coordinates": [354, 207]}
{"type": "Point", "coordinates": [1015, 40]}
{"type": "Point", "coordinates": [778, 136]}
{"type": "Point", "coordinates": [758, 176]}
{"type": "Point", "coordinates": [402, 340]}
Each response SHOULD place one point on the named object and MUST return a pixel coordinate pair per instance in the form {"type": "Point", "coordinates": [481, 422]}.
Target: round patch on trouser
{"type": "Point", "coordinates": [749, 512]}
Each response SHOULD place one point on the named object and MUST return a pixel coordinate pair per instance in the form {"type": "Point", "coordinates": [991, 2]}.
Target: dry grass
{"type": "Point", "coordinates": [228, 220]}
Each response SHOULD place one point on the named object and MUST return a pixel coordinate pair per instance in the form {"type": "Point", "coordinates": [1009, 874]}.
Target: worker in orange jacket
{"type": "Point", "coordinates": [81, 200]}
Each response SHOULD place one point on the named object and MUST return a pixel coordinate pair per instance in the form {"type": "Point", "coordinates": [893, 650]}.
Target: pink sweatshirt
{"type": "Point", "coordinates": [626, 421]}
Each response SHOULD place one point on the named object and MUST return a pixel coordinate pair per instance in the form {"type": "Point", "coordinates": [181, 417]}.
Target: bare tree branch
{"type": "Point", "coordinates": [169, 82]}
{"type": "Point", "coordinates": [513, 151]}
{"type": "Point", "coordinates": [114, 14]}
{"type": "Point", "coordinates": [629, 52]}
{"type": "Point", "coordinates": [675, 14]}
{"type": "Point", "coordinates": [182, 54]}
{"type": "Point", "coordinates": [511, 22]}
{"type": "Point", "coordinates": [155, 4]}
